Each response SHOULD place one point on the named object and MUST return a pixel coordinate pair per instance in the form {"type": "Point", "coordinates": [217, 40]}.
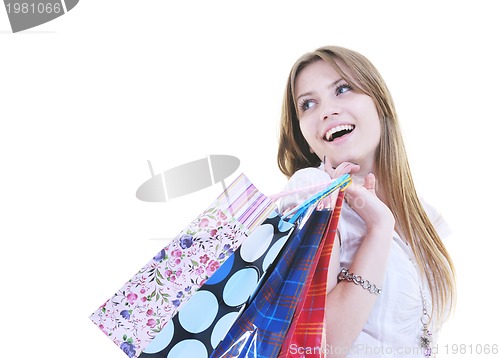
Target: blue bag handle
{"type": "Point", "coordinates": [301, 210]}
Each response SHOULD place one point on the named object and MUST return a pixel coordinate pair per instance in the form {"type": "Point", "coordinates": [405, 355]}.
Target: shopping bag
{"type": "Point", "coordinates": [202, 323]}
{"type": "Point", "coordinates": [305, 335]}
{"type": "Point", "coordinates": [142, 307]}
{"type": "Point", "coordinates": [199, 326]}
{"type": "Point", "coordinates": [261, 329]}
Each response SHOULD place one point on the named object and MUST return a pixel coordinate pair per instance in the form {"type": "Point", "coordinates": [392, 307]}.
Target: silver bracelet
{"type": "Point", "coordinates": [358, 280]}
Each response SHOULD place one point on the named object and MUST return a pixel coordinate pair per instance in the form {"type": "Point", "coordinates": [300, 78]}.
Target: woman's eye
{"type": "Point", "coordinates": [343, 88]}
{"type": "Point", "coordinates": [306, 104]}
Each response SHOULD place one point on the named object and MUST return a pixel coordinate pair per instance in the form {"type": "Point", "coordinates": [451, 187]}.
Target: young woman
{"type": "Point", "coordinates": [391, 280]}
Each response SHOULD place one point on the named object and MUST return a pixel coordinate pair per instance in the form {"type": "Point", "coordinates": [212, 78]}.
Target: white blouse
{"type": "Point", "coordinates": [394, 326]}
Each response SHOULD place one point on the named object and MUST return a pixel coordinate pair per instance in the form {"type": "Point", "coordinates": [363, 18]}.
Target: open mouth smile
{"type": "Point", "coordinates": [338, 131]}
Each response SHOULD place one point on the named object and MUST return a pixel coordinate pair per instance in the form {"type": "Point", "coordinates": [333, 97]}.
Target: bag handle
{"type": "Point", "coordinates": [340, 182]}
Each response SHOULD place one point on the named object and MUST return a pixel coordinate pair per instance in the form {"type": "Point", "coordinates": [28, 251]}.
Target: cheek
{"type": "Point", "coordinates": [374, 122]}
{"type": "Point", "coordinates": [376, 128]}
{"type": "Point", "coordinates": [304, 129]}
{"type": "Point", "coordinates": [373, 135]}
{"type": "Point", "coordinates": [307, 128]}
{"type": "Point", "coordinates": [308, 133]}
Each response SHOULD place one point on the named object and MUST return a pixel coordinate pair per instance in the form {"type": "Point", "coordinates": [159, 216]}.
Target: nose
{"type": "Point", "coordinates": [330, 108]}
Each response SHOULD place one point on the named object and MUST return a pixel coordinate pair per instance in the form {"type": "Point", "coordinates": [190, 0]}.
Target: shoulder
{"type": "Point", "coordinates": [436, 218]}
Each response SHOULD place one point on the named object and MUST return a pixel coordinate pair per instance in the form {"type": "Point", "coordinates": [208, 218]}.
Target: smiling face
{"type": "Point", "coordinates": [336, 120]}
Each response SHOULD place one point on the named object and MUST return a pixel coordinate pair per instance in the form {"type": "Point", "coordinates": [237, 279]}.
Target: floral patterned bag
{"type": "Point", "coordinates": [143, 306]}
{"type": "Point", "coordinates": [199, 326]}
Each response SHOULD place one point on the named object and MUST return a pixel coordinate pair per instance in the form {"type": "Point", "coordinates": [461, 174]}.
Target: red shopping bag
{"type": "Point", "coordinates": [305, 336]}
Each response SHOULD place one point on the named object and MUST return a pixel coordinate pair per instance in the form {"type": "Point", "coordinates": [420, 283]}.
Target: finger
{"type": "Point", "coordinates": [370, 182]}
{"type": "Point", "coordinates": [354, 195]}
{"type": "Point", "coordinates": [352, 191]}
{"type": "Point", "coordinates": [346, 168]}
{"type": "Point", "coordinates": [328, 167]}
{"type": "Point", "coordinates": [341, 169]}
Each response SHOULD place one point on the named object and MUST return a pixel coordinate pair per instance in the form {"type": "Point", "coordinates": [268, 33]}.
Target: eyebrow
{"type": "Point", "coordinates": [333, 84]}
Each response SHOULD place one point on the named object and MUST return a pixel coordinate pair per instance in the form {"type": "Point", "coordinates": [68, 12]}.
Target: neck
{"type": "Point", "coordinates": [359, 178]}
{"type": "Point", "coordinates": [365, 167]}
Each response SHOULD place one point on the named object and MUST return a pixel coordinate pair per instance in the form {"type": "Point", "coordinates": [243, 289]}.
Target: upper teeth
{"type": "Point", "coordinates": [342, 127]}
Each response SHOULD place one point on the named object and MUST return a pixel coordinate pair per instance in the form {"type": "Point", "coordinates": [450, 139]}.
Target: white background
{"type": "Point", "coordinates": [87, 99]}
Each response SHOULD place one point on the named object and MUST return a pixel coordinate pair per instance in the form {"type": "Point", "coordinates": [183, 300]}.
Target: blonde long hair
{"type": "Point", "coordinates": [391, 160]}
